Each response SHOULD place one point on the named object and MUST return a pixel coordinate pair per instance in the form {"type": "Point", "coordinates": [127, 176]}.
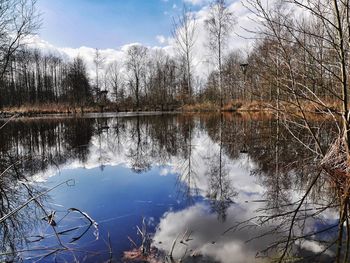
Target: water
{"type": "Point", "coordinates": [208, 182]}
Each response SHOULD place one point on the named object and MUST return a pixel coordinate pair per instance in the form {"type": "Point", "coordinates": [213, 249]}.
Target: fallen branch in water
{"type": "Point", "coordinates": [14, 211]}
{"type": "Point", "coordinates": [10, 119]}
{"type": "Point", "coordinates": [50, 219]}
{"type": "Point", "coordinates": [92, 223]}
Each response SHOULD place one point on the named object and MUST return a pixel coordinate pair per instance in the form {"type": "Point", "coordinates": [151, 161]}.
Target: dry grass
{"type": "Point", "coordinates": [335, 162]}
{"type": "Point", "coordinates": [252, 106]}
{"type": "Point", "coordinates": [232, 106]}
{"type": "Point", "coordinates": [61, 108]}
{"type": "Point", "coordinates": [261, 106]}
{"type": "Point", "coordinates": [52, 108]}
{"type": "Point", "coordinates": [136, 255]}
{"type": "Point", "coordinates": [201, 107]}
{"type": "Point", "coordinates": [249, 115]}
{"type": "Point", "coordinates": [256, 106]}
{"type": "Point", "coordinates": [333, 106]}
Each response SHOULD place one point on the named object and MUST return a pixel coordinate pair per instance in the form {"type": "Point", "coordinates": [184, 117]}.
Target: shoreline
{"type": "Point", "coordinates": [240, 107]}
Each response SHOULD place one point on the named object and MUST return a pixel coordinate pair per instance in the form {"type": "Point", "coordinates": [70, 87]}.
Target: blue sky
{"type": "Point", "coordinates": [106, 23]}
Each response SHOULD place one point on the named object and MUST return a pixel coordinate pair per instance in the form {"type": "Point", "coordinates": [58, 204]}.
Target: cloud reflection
{"type": "Point", "coordinates": [207, 238]}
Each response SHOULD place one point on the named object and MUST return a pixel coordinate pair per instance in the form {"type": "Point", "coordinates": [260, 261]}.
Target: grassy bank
{"type": "Point", "coordinates": [43, 109]}
{"type": "Point", "coordinates": [56, 108]}
{"type": "Point", "coordinates": [263, 106]}
{"type": "Point", "coordinates": [232, 106]}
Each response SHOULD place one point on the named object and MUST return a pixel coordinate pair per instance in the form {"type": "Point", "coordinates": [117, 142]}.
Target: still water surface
{"type": "Point", "coordinates": [197, 185]}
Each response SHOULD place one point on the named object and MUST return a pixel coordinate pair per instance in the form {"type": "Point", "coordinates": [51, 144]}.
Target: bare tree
{"type": "Point", "coordinates": [219, 25]}
{"type": "Point", "coordinates": [184, 33]}
{"type": "Point", "coordinates": [115, 79]}
{"type": "Point", "coordinates": [99, 60]}
{"type": "Point", "coordinates": [136, 64]}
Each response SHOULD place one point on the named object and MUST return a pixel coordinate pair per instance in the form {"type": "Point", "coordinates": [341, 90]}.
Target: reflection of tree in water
{"type": "Point", "coordinates": [276, 176]}
{"type": "Point", "coordinates": [188, 176]}
{"type": "Point", "coordinates": [148, 138]}
{"type": "Point", "coordinates": [282, 164]}
{"type": "Point", "coordinates": [155, 140]}
{"type": "Point", "coordinates": [77, 137]}
{"type": "Point", "coordinates": [221, 191]}
{"type": "Point", "coordinates": [118, 135]}
{"type": "Point", "coordinates": [55, 141]}
{"type": "Point", "coordinates": [139, 150]}
{"type": "Point", "coordinates": [220, 188]}
{"type": "Point", "coordinates": [286, 170]}
{"type": "Point", "coordinates": [298, 196]}
{"type": "Point", "coordinates": [103, 135]}
{"type": "Point", "coordinates": [169, 136]}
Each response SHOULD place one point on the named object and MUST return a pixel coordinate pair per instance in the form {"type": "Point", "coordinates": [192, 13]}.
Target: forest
{"type": "Point", "coordinates": [300, 51]}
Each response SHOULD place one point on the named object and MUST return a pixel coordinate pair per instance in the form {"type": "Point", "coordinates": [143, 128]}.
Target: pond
{"type": "Point", "coordinates": [182, 187]}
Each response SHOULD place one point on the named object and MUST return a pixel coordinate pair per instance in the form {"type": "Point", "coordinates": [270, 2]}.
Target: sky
{"type": "Point", "coordinates": [108, 23]}
{"type": "Point", "coordinates": [74, 28]}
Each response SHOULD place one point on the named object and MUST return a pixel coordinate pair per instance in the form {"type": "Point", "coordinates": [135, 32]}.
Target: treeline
{"type": "Point", "coordinates": [34, 78]}
{"type": "Point", "coordinates": [160, 80]}
{"type": "Point", "coordinates": [155, 80]}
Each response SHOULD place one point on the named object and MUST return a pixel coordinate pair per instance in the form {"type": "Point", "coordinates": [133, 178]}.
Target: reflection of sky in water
{"type": "Point", "coordinates": [117, 198]}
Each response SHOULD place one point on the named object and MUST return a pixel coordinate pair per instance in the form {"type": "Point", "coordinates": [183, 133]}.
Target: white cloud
{"type": "Point", "coordinates": [195, 2]}
{"type": "Point", "coordinates": [208, 241]}
{"type": "Point", "coordinates": [164, 172]}
{"type": "Point", "coordinates": [161, 39]}
{"type": "Point", "coordinates": [315, 247]}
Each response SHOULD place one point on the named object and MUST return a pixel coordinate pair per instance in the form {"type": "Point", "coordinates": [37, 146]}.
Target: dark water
{"type": "Point", "coordinates": [209, 188]}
